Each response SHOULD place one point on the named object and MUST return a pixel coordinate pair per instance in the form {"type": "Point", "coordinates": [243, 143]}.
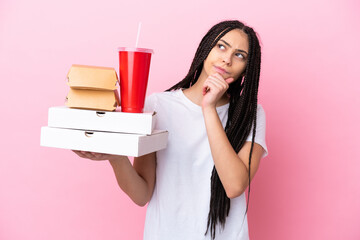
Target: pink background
{"type": "Point", "coordinates": [307, 188]}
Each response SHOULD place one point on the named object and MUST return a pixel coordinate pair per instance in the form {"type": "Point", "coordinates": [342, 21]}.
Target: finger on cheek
{"type": "Point", "coordinates": [229, 80]}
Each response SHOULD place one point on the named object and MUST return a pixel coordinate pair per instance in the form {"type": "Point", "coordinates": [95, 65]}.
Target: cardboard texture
{"type": "Point", "coordinates": [103, 142]}
{"type": "Point", "coordinates": [92, 99]}
{"type": "Point", "coordinates": [92, 77]}
{"type": "Point", "coordinates": [138, 123]}
{"type": "Point", "coordinates": [92, 87]}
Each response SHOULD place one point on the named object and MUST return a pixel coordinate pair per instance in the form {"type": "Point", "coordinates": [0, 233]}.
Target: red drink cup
{"type": "Point", "coordinates": [134, 73]}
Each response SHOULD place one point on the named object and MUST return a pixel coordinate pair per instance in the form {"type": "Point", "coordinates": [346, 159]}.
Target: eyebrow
{"type": "Point", "coordinates": [226, 43]}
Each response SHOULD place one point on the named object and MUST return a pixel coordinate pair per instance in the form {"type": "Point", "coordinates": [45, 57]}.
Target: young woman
{"type": "Point", "coordinates": [196, 186]}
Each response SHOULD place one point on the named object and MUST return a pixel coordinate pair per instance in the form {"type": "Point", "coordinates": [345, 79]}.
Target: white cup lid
{"type": "Point", "coordinates": [128, 49]}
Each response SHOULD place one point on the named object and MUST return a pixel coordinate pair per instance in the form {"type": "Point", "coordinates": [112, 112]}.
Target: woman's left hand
{"type": "Point", "coordinates": [214, 88]}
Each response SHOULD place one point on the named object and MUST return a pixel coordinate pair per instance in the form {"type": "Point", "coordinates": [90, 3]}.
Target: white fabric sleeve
{"type": "Point", "coordinates": [260, 129]}
{"type": "Point", "coordinates": [150, 103]}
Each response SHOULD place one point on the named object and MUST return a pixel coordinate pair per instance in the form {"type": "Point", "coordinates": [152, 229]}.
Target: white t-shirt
{"type": "Point", "coordinates": [179, 206]}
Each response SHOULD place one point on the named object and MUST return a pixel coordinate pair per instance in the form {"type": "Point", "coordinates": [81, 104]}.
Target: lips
{"type": "Point", "coordinates": [220, 70]}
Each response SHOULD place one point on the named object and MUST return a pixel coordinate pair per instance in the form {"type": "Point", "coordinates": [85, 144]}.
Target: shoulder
{"type": "Point", "coordinates": [260, 129]}
{"type": "Point", "coordinates": [260, 113]}
{"type": "Point", "coordinates": [163, 94]}
{"type": "Point", "coordinates": [154, 99]}
{"type": "Point", "coordinates": [260, 109]}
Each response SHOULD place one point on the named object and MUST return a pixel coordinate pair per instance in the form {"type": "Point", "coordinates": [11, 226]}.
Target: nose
{"type": "Point", "coordinates": [227, 58]}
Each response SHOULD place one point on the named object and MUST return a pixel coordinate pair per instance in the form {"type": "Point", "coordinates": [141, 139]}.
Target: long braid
{"type": "Point", "coordinates": [242, 110]}
{"type": "Point", "coordinates": [256, 73]}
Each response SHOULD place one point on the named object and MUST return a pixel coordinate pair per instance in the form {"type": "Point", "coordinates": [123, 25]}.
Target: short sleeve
{"type": "Point", "coordinates": [150, 103]}
{"type": "Point", "coordinates": [260, 129]}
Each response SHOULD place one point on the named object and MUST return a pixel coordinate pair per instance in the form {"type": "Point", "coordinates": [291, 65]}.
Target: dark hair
{"type": "Point", "coordinates": [242, 109]}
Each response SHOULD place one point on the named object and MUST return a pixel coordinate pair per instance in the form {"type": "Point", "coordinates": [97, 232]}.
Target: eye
{"type": "Point", "coordinates": [220, 46]}
{"type": "Point", "coordinates": [239, 55]}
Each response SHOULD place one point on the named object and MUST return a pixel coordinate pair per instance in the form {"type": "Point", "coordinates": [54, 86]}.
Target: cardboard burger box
{"type": "Point", "coordinates": [137, 123]}
{"type": "Point", "coordinates": [93, 99]}
{"type": "Point", "coordinates": [92, 77]}
{"type": "Point", "coordinates": [103, 142]}
{"type": "Point", "coordinates": [92, 87]}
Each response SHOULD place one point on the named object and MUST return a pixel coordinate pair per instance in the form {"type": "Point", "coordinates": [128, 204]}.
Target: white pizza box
{"type": "Point", "coordinates": [104, 142]}
{"type": "Point", "coordinates": [65, 117]}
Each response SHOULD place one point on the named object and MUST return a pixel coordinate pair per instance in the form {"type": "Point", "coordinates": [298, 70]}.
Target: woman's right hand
{"type": "Point", "coordinates": [94, 156]}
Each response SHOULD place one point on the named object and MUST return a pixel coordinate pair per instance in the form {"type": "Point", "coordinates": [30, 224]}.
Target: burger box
{"type": "Point", "coordinates": [138, 123]}
{"type": "Point", "coordinates": [92, 87]}
{"type": "Point", "coordinates": [93, 99]}
{"type": "Point", "coordinates": [92, 77]}
{"type": "Point", "coordinates": [104, 142]}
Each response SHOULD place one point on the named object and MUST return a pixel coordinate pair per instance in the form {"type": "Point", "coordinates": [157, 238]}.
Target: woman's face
{"type": "Point", "coordinates": [228, 57]}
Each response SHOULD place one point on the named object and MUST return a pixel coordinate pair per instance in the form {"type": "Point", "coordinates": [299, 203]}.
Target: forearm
{"type": "Point", "coordinates": [231, 170]}
{"type": "Point", "coordinates": [129, 180]}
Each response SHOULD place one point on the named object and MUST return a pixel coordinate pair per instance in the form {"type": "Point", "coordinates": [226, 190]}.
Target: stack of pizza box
{"type": "Point", "coordinates": [91, 121]}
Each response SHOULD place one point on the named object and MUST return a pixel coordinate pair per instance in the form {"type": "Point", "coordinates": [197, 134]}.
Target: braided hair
{"type": "Point", "coordinates": [242, 109]}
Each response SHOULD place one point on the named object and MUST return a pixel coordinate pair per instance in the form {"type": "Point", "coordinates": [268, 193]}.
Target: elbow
{"type": "Point", "coordinates": [141, 203]}
{"type": "Point", "coordinates": [138, 200]}
{"type": "Point", "coordinates": [233, 194]}
{"type": "Point", "coordinates": [235, 191]}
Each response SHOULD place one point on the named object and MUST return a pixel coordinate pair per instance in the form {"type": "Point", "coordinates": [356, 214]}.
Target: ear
{"type": "Point", "coordinates": [229, 80]}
